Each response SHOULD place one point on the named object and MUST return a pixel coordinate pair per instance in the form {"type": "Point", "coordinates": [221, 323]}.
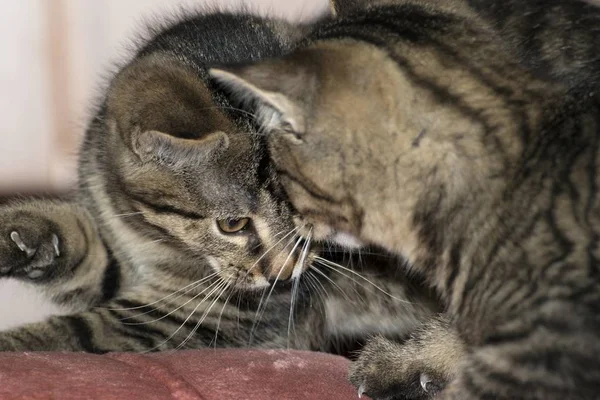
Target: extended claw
{"type": "Point", "coordinates": [361, 390]}
{"type": "Point", "coordinates": [15, 237]}
{"type": "Point", "coordinates": [425, 380]}
{"type": "Point", "coordinates": [55, 244]}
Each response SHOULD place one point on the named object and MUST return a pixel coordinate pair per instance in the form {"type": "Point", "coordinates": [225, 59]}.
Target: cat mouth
{"type": "Point", "coordinates": [296, 262]}
{"type": "Point", "coordinates": [284, 269]}
{"type": "Point", "coordinates": [303, 262]}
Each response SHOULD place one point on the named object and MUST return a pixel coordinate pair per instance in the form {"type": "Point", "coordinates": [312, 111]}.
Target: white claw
{"type": "Point", "coordinates": [55, 244]}
{"type": "Point", "coordinates": [15, 237]}
{"type": "Point", "coordinates": [425, 379]}
{"type": "Point", "coordinates": [361, 390]}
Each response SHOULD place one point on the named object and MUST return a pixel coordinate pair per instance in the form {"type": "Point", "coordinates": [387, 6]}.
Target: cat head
{"type": "Point", "coordinates": [338, 113]}
{"type": "Point", "coordinates": [182, 183]}
{"type": "Point", "coordinates": [314, 106]}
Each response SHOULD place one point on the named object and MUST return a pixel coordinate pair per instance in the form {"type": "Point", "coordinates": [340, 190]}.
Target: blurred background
{"type": "Point", "coordinates": [55, 57]}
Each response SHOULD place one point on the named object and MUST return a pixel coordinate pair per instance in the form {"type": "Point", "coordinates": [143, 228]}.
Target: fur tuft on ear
{"type": "Point", "coordinates": [276, 92]}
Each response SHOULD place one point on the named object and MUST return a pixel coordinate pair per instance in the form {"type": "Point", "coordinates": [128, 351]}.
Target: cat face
{"type": "Point", "coordinates": [186, 185]}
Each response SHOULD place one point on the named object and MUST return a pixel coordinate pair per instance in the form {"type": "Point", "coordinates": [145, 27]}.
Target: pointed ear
{"type": "Point", "coordinates": [173, 151]}
{"type": "Point", "coordinates": [163, 110]}
{"type": "Point", "coordinates": [278, 93]}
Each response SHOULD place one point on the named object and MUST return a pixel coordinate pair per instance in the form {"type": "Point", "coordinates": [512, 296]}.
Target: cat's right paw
{"type": "Point", "coordinates": [417, 369]}
{"type": "Point", "coordinates": [30, 247]}
{"type": "Point", "coordinates": [391, 371]}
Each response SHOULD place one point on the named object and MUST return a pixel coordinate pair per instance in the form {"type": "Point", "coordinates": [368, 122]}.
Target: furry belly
{"type": "Point", "coordinates": [22, 303]}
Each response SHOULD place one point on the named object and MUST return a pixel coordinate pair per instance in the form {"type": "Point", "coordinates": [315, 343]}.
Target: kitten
{"type": "Point", "coordinates": [453, 134]}
{"type": "Point", "coordinates": [177, 239]}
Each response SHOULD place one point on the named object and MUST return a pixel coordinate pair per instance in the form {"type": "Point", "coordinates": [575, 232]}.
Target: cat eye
{"type": "Point", "coordinates": [233, 225]}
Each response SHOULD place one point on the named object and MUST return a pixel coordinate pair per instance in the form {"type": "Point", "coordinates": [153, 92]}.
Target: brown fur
{"type": "Point", "coordinates": [419, 129]}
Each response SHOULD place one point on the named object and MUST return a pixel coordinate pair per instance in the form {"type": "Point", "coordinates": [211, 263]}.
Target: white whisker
{"type": "Point", "coordinates": [170, 312]}
{"type": "Point", "coordinates": [319, 288]}
{"type": "Point", "coordinates": [296, 273]}
{"type": "Point", "coordinates": [222, 290]}
{"type": "Point", "coordinates": [335, 267]}
{"type": "Point", "coordinates": [221, 316]}
{"type": "Point", "coordinates": [304, 254]}
{"type": "Point", "coordinates": [269, 249]}
{"type": "Point", "coordinates": [261, 312]}
{"type": "Point", "coordinates": [194, 284]}
{"type": "Point", "coordinates": [343, 292]}
{"type": "Point", "coordinates": [291, 325]}
{"type": "Point", "coordinates": [188, 317]}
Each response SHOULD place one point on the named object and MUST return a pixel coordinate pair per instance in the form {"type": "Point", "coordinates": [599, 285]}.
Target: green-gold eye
{"type": "Point", "coordinates": [233, 225]}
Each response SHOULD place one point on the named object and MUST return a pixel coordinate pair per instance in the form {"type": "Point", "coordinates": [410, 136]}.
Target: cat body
{"type": "Point", "coordinates": [417, 126]}
{"type": "Point", "coordinates": [175, 239]}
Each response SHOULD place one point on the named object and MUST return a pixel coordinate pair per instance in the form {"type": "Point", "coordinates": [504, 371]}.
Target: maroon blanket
{"type": "Point", "coordinates": [184, 375]}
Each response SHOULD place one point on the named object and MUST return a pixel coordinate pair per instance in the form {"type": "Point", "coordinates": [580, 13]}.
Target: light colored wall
{"type": "Point", "coordinates": [25, 139]}
{"type": "Point", "coordinates": [53, 57]}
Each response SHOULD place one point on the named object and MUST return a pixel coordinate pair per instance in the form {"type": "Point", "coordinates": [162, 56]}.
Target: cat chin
{"type": "Point", "coordinates": [346, 240]}
{"type": "Point", "coordinates": [259, 284]}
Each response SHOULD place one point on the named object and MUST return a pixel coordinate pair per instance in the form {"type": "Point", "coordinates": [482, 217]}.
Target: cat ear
{"type": "Point", "coordinates": [170, 150]}
{"type": "Point", "coordinates": [163, 111]}
{"type": "Point", "coordinates": [277, 92]}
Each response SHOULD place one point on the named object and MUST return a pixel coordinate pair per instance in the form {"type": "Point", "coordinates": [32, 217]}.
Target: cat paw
{"type": "Point", "coordinates": [29, 248]}
{"type": "Point", "coordinates": [385, 371]}
{"type": "Point", "coordinates": [419, 368]}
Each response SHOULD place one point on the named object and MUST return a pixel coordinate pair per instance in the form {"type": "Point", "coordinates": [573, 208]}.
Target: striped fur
{"type": "Point", "coordinates": [140, 262]}
{"type": "Point", "coordinates": [465, 138]}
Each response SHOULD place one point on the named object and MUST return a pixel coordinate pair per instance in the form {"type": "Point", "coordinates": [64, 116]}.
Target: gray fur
{"type": "Point", "coordinates": [458, 135]}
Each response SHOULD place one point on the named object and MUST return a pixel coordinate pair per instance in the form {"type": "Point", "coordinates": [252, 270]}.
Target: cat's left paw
{"type": "Point", "coordinates": [387, 371]}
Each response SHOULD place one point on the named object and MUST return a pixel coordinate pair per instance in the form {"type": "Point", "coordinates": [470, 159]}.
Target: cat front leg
{"type": "Point", "coordinates": [143, 322]}
{"type": "Point", "coordinates": [419, 368]}
{"type": "Point", "coordinates": [95, 331]}
{"type": "Point", "coordinates": [54, 246]}
{"type": "Point", "coordinates": [30, 243]}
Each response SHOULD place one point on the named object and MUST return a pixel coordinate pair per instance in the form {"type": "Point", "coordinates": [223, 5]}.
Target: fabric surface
{"type": "Point", "coordinates": [206, 374]}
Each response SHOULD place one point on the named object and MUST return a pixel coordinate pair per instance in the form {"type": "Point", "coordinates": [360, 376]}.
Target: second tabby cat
{"type": "Point", "coordinates": [463, 137]}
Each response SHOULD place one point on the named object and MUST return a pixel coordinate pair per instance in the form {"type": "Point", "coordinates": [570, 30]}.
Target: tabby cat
{"type": "Point", "coordinates": [463, 135]}
{"type": "Point", "coordinates": [176, 239]}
